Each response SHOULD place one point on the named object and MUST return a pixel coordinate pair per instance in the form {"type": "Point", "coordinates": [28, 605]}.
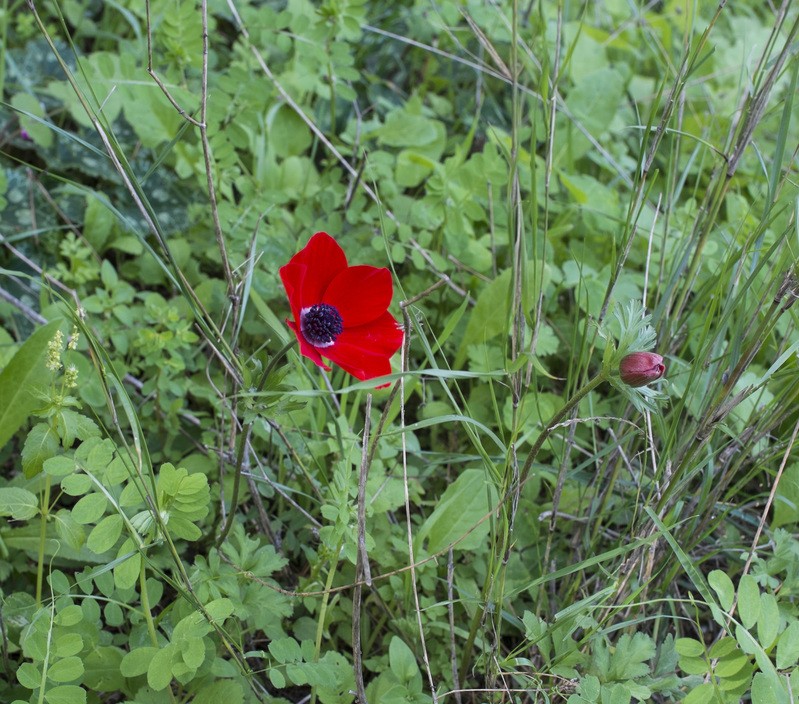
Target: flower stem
{"type": "Point", "coordinates": [45, 513]}
{"type": "Point", "coordinates": [244, 437]}
{"type": "Point", "coordinates": [554, 422]}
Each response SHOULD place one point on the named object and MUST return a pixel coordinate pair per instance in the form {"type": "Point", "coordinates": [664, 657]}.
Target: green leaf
{"type": "Point", "coordinates": [69, 530]}
{"type": "Point", "coordinates": [66, 669]}
{"type": "Point", "coordinates": [23, 379]}
{"type": "Point", "coordinates": [159, 673]}
{"type": "Point", "coordinates": [459, 511]}
{"type": "Point", "coordinates": [137, 661]}
{"type": "Point", "coordinates": [748, 601]}
{"type": "Point", "coordinates": [768, 689]}
{"type": "Point", "coordinates": [68, 644]}
{"type": "Point", "coordinates": [59, 466]}
{"type": "Point", "coordinates": [220, 609]}
{"type": "Point", "coordinates": [126, 573]}
{"type": "Point", "coordinates": [788, 647]}
{"type": "Point", "coordinates": [29, 676]}
{"type": "Point", "coordinates": [40, 445]}
{"type": "Point", "coordinates": [18, 503]}
{"type": "Point", "coordinates": [221, 691]}
{"type": "Point", "coordinates": [105, 534]}
{"type": "Point", "coordinates": [89, 508]}
{"type": "Point", "coordinates": [703, 694]}
{"type": "Point", "coordinates": [66, 694]}
{"type": "Point", "coordinates": [724, 588]}
{"type": "Point", "coordinates": [768, 623]}
{"type": "Point", "coordinates": [285, 650]}
{"type": "Point", "coordinates": [402, 660]}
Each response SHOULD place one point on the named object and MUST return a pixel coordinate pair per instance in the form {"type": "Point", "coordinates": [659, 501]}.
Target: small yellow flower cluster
{"type": "Point", "coordinates": [71, 377]}
{"type": "Point", "coordinates": [54, 351]}
{"type": "Point", "coordinates": [73, 338]}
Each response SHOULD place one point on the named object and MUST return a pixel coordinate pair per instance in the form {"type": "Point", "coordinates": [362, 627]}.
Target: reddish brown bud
{"type": "Point", "coordinates": [641, 368]}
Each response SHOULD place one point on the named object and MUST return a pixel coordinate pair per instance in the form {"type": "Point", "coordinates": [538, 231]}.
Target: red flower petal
{"type": "Point", "coordinates": [365, 351]}
{"type": "Point", "coordinates": [310, 271]}
{"type": "Point", "coordinates": [361, 294]}
{"type": "Point", "coordinates": [306, 349]}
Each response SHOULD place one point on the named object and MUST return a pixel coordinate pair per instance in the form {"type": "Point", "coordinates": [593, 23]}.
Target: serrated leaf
{"type": "Point", "coordinates": [40, 445]}
{"type": "Point", "coordinates": [20, 504]}
{"type": "Point", "coordinates": [23, 379]}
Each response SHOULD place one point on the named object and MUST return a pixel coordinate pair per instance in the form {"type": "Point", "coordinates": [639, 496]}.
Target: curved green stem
{"type": "Point", "coordinates": [244, 437]}
{"type": "Point", "coordinates": [558, 418]}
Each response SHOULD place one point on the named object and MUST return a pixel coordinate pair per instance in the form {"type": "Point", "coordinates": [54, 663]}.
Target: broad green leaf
{"type": "Point", "coordinates": [68, 644]}
{"type": "Point", "coordinates": [105, 534]}
{"type": "Point", "coordinates": [220, 609]}
{"type": "Point", "coordinates": [703, 694]}
{"type": "Point", "coordinates": [89, 508]}
{"type": "Point", "coordinates": [137, 661]}
{"type": "Point", "coordinates": [768, 623]}
{"type": "Point", "coordinates": [460, 513]}
{"type": "Point", "coordinates": [788, 647]}
{"type": "Point", "coordinates": [65, 670]}
{"type": "Point", "coordinates": [41, 444]}
{"type": "Point", "coordinates": [402, 660]}
{"type": "Point", "coordinates": [29, 676]}
{"type": "Point", "coordinates": [20, 504]}
{"type": "Point", "coordinates": [193, 652]}
{"type": "Point", "coordinates": [748, 601]}
{"type": "Point", "coordinates": [66, 694]}
{"type": "Point", "coordinates": [126, 573]}
{"type": "Point", "coordinates": [768, 689]}
{"type": "Point", "coordinates": [69, 530]}
{"type": "Point", "coordinates": [724, 588]}
{"type": "Point", "coordinates": [159, 672]}
{"type": "Point", "coordinates": [59, 466]}
{"type": "Point", "coordinates": [22, 379]}
{"type": "Point", "coordinates": [222, 691]}
{"type": "Point", "coordinates": [76, 484]}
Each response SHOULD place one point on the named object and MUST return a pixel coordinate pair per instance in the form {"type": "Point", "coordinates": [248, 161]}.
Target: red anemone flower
{"type": "Point", "coordinates": [341, 311]}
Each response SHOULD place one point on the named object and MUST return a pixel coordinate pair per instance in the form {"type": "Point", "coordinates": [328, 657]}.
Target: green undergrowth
{"type": "Point", "coordinates": [190, 512]}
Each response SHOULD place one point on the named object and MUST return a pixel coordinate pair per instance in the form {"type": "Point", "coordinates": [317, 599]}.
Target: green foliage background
{"type": "Point", "coordinates": [535, 175]}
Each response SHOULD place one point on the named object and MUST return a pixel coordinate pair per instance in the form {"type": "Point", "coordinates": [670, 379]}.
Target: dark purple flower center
{"type": "Point", "coordinates": [321, 324]}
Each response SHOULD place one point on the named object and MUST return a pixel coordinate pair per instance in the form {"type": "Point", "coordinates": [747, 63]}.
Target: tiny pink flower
{"type": "Point", "coordinates": [641, 368]}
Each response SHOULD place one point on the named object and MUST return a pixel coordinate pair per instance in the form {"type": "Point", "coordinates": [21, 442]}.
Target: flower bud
{"type": "Point", "coordinates": [641, 368]}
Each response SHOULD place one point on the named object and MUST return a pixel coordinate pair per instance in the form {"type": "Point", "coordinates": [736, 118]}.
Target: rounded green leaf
{"type": "Point", "coordinates": [159, 672]}
{"type": "Point", "coordinates": [105, 534]}
{"type": "Point", "coordinates": [748, 600]}
{"type": "Point", "coordinates": [137, 661]}
{"type": "Point", "coordinates": [29, 676]}
{"type": "Point", "coordinates": [768, 622]}
{"type": "Point", "coordinates": [65, 670]}
{"type": "Point", "coordinates": [723, 587]}
{"type": "Point", "coordinates": [89, 508]}
{"type": "Point", "coordinates": [689, 647]}
{"type": "Point", "coordinates": [788, 647]}
{"type": "Point", "coordinates": [66, 694]}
